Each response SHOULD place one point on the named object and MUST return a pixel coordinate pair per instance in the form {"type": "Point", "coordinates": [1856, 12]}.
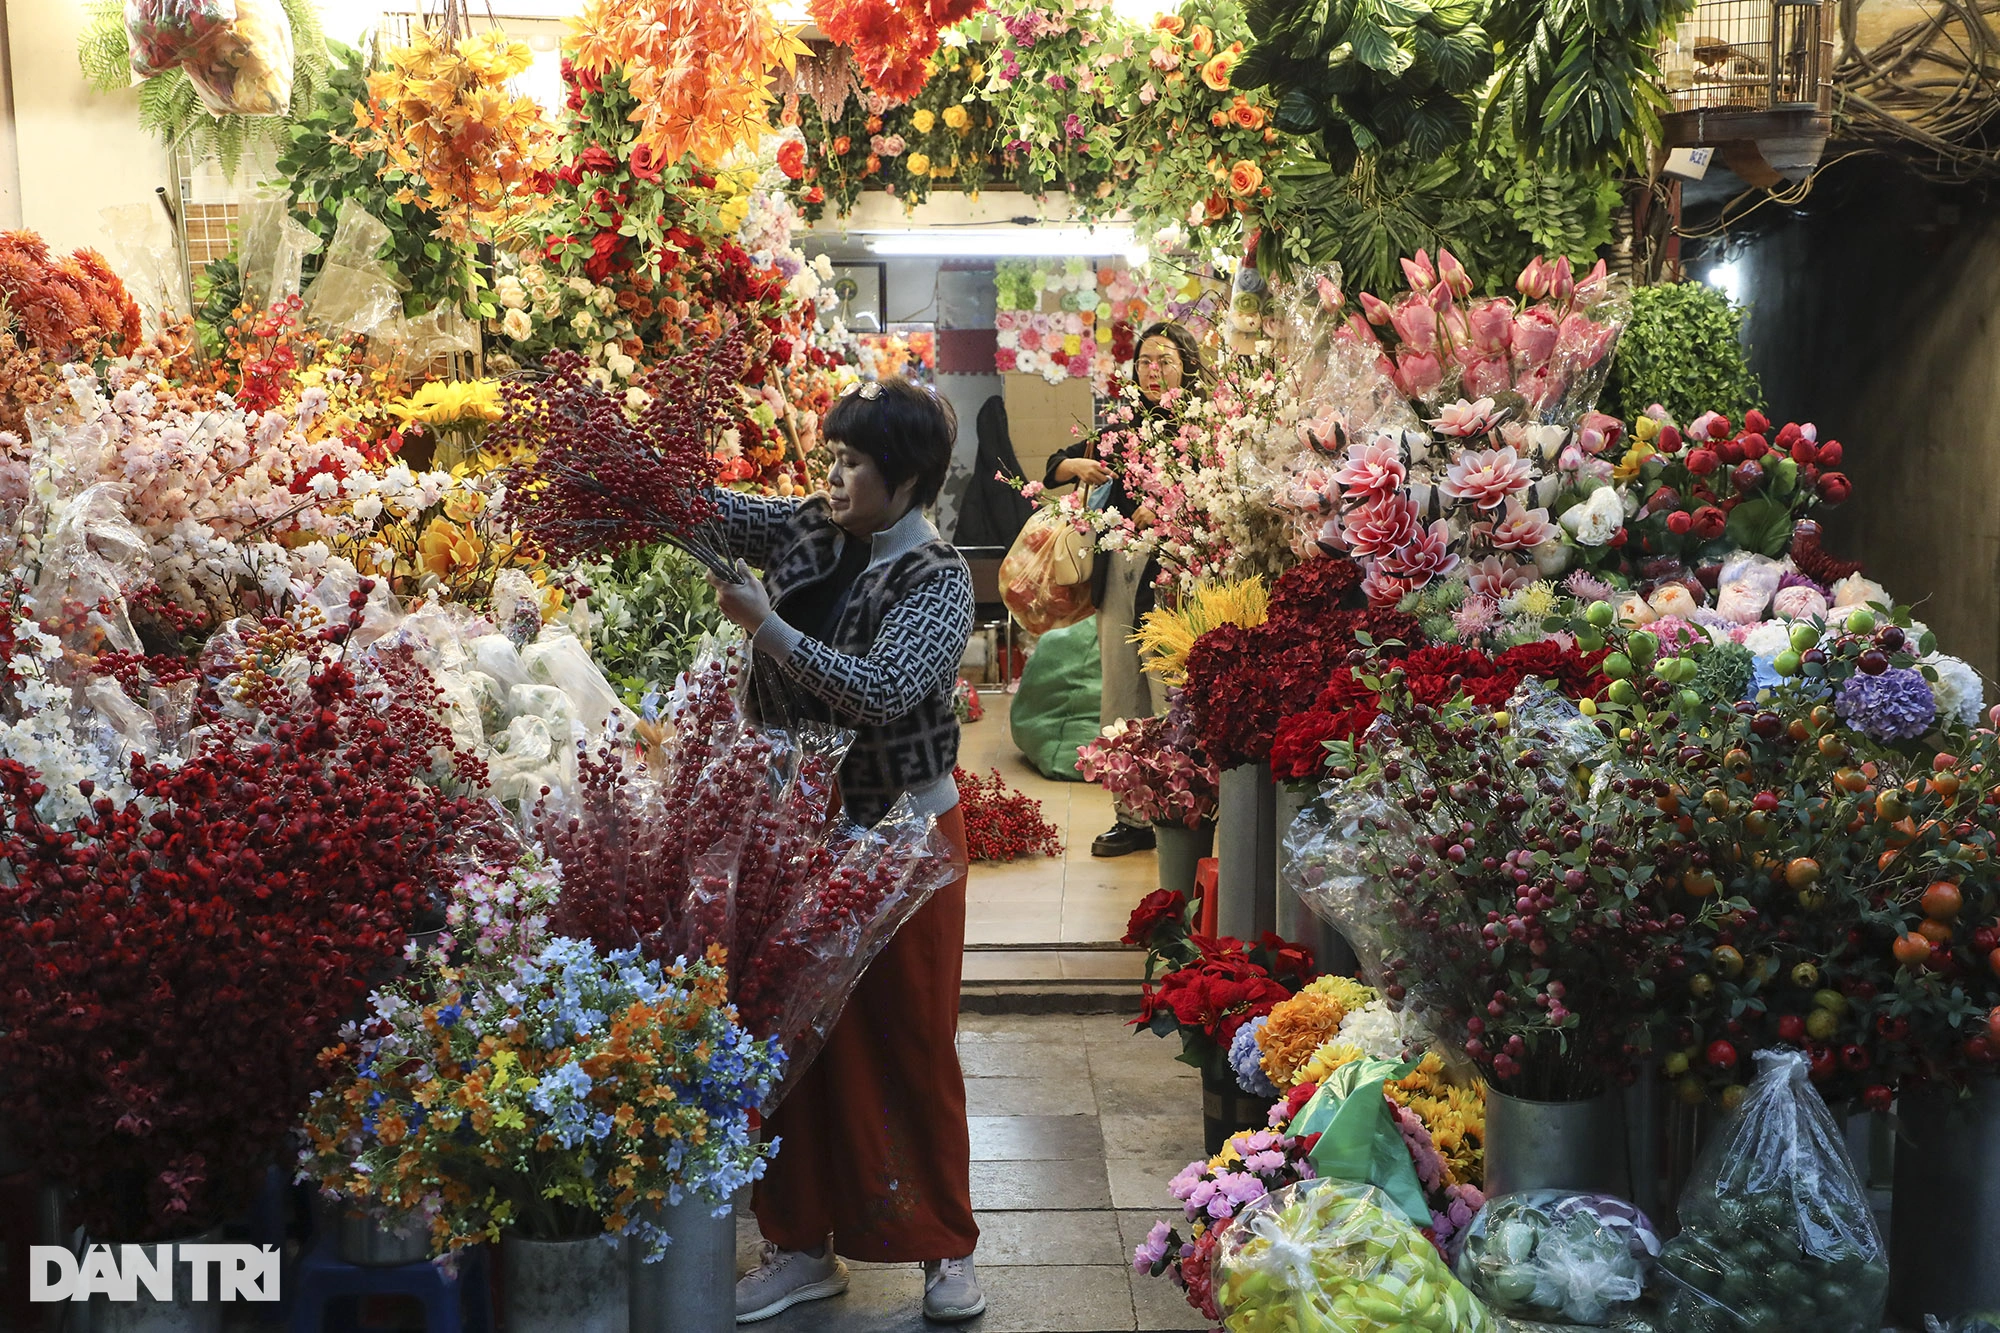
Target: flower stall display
{"type": "Point", "coordinates": [1154, 769]}
{"type": "Point", "coordinates": [1330, 1255]}
{"type": "Point", "coordinates": [893, 47]}
{"type": "Point", "coordinates": [1099, 312]}
{"type": "Point", "coordinates": [530, 1083]}
{"type": "Point", "coordinates": [1002, 824]}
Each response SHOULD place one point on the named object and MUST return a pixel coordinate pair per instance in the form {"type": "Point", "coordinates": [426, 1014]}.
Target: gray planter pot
{"type": "Point", "coordinates": [1246, 852]}
{"type": "Point", "coordinates": [182, 1314]}
{"type": "Point", "coordinates": [382, 1242]}
{"type": "Point", "coordinates": [692, 1289]}
{"type": "Point", "coordinates": [1556, 1145]}
{"type": "Point", "coordinates": [1944, 1226]}
{"type": "Point", "coordinates": [563, 1286]}
{"type": "Point", "coordinates": [1181, 850]}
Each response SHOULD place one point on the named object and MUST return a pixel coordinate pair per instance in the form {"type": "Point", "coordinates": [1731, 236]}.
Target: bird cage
{"type": "Point", "coordinates": [1752, 55]}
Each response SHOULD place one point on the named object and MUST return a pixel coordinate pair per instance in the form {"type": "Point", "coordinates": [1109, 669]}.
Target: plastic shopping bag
{"type": "Point", "coordinates": [1331, 1256]}
{"type": "Point", "coordinates": [1558, 1257]}
{"type": "Point", "coordinates": [1776, 1232]}
{"type": "Point", "coordinates": [237, 53]}
{"type": "Point", "coordinates": [1045, 576]}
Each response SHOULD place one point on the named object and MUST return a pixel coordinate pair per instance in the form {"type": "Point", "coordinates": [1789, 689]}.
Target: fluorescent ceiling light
{"type": "Point", "coordinates": [1112, 239]}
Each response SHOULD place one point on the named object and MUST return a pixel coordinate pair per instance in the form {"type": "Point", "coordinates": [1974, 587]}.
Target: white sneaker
{"type": "Point", "coordinates": [951, 1291]}
{"type": "Point", "coordinates": [784, 1278]}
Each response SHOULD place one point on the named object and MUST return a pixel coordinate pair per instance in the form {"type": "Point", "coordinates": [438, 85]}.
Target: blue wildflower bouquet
{"type": "Point", "coordinates": [549, 1088]}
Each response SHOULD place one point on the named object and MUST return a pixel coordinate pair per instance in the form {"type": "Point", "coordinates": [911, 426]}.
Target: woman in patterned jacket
{"type": "Point", "coordinates": [863, 612]}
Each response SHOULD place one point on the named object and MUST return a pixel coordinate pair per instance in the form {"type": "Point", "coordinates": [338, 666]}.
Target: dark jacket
{"type": "Point", "coordinates": [993, 512]}
{"type": "Point", "coordinates": [890, 666]}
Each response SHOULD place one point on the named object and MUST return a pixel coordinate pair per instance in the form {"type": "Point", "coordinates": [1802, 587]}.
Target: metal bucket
{"type": "Point", "coordinates": [373, 1241]}
{"type": "Point", "coordinates": [1181, 850]}
{"type": "Point", "coordinates": [1944, 1226]}
{"type": "Point", "coordinates": [1556, 1145]}
{"type": "Point", "coordinates": [563, 1286]}
{"type": "Point", "coordinates": [1296, 921]}
{"type": "Point", "coordinates": [182, 1314]}
{"type": "Point", "coordinates": [1246, 854]}
{"type": "Point", "coordinates": [692, 1289]}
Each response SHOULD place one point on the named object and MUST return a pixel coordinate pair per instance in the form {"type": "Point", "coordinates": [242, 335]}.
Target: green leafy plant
{"type": "Point", "coordinates": [652, 607]}
{"type": "Point", "coordinates": [321, 170]}
{"type": "Point", "coordinates": [1370, 76]}
{"type": "Point", "coordinates": [1577, 86]}
{"type": "Point", "coordinates": [168, 106]}
{"type": "Point", "coordinates": [1683, 349]}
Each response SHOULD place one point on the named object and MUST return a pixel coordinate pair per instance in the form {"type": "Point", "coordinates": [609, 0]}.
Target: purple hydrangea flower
{"type": "Point", "coordinates": [1897, 705]}
{"type": "Point", "coordinates": [1246, 1058]}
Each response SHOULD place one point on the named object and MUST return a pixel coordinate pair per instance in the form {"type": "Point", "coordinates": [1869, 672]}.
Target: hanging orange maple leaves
{"type": "Point", "coordinates": [892, 40]}
{"type": "Point", "coordinates": [700, 69]}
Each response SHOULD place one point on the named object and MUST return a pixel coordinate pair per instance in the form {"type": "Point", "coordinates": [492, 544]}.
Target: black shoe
{"type": "Point", "coordinates": [1123, 840]}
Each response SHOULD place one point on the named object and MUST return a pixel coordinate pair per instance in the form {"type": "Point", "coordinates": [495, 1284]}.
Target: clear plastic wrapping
{"type": "Point", "coordinates": [1331, 1256]}
{"type": "Point", "coordinates": [237, 53]}
{"type": "Point", "coordinates": [354, 292]}
{"type": "Point", "coordinates": [1558, 1257]}
{"type": "Point", "coordinates": [1045, 575]}
{"type": "Point", "coordinates": [1776, 1232]}
{"type": "Point", "coordinates": [271, 248]}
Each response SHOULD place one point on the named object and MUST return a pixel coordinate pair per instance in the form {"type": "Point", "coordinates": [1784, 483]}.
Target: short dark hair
{"type": "Point", "coordinates": [908, 430]}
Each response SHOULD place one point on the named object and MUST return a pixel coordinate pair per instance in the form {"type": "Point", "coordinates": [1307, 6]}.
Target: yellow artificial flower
{"type": "Point", "coordinates": [957, 117]}
{"type": "Point", "coordinates": [1168, 633]}
{"type": "Point", "coordinates": [1294, 1033]}
{"type": "Point", "coordinates": [1628, 466]}
{"type": "Point", "coordinates": [924, 120]}
{"type": "Point", "coordinates": [450, 552]}
{"type": "Point", "coordinates": [449, 402]}
{"type": "Point", "coordinates": [1537, 601]}
{"type": "Point", "coordinates": [919, 164]}
{"type": "Point", "coordinates": [1325, 1060]}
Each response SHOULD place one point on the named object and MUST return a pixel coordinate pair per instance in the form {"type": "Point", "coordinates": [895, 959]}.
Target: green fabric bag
{"type": "Point", "coordinates": [1055, 710]}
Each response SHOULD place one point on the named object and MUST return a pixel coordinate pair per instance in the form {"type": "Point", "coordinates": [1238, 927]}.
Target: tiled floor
{"type": "Point", "coordinates": [1018, 916]}
{"type": "Point", "coordinates": [1077, 1125]}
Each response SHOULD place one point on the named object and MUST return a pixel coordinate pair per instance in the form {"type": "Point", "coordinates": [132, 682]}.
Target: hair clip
{"type": "Point", "coordinates": [869, 390]}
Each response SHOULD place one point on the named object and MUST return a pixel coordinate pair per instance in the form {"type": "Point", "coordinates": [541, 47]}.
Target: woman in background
{"type": "Point", "coordinates": [1168, 359]}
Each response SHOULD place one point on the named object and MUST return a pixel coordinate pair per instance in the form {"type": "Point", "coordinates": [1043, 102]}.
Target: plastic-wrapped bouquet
{"type": "Point", "coordinates": [1155, 768]}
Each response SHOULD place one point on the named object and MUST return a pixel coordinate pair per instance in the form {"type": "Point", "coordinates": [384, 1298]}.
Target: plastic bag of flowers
{"type": "Point", "coordinates": [1775, 1221]}
{"type": "Point", "coordinates": [537, 1083]}
{"type": "Point", "coordinates": [1558, 1257]}
{"type": "Point", "coordinates": [1331, 1256]}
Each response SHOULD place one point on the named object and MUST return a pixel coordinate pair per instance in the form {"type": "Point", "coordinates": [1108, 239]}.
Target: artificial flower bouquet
{"type": "Point", "coordinates": [535, 1083]}
{"type": "Point", "coordinates": [1154, 768]}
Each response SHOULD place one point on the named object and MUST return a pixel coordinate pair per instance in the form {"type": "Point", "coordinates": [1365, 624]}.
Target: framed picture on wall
{"type": "Point", "coordinates": [862, 291]}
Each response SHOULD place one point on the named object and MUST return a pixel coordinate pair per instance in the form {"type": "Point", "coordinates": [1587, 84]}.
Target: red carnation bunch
{"type": "Point", "coordinates": [170, 967]}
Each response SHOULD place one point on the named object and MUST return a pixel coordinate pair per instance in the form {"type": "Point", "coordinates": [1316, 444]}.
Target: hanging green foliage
{"type": "Point", "coordinates": [1683, 349]}
{"type": "Point", "coordinates": [321, 170]}
{"type": "Point", "coordinates": [168, 106]}
{"type": "Point", "coordinates": [1577, 87]}
{"type": "Point", "coordinates": [1368, 77]}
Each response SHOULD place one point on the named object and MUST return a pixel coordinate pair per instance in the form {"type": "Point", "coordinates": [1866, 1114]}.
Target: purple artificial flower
{"type": "Point", "coordinates": [1153, 1251]}
{"type": "Point", "coordinates": [1587, 587]}
{"type": "Point", "coordinates": [1073, 125]}
{"type": "Point", "coordinates": [1794, 579]}
{"type": "Point", "coordinates": [1897, 705]}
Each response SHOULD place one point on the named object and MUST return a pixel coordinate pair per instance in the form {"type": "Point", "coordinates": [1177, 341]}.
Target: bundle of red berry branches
{"type": "Point", "coordinates": [728, 838]}
{"type": "Point", "coordinates": [170, 966]}
{"type": "Point", "coordinates": [1002, 824]}
{"type": "Point", "coordinates": [604, 476]}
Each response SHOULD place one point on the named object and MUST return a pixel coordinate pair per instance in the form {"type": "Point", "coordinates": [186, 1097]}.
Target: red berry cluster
{"type": "Point", "coordinates": [170, 967]}
{"type": "Point", "coordinates": [1002, 824]}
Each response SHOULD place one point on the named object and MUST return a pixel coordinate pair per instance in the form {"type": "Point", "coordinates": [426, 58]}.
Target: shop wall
{"type": "Point", "coordinates": [1874, 316]}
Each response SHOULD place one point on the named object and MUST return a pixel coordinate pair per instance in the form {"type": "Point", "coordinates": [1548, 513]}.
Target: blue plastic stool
{"type": "Point", "coordinates": [461, 1304]}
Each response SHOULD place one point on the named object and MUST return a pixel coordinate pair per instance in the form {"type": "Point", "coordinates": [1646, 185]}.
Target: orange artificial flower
{"type": "Point", "coordinates": [1169, 23]}
{"type": "Point", "coordinates": [1215, 72]}
{"type": "Point", "coordinates": [1244, 178]}
{"type": "Point", "coordinates": [1202, 41]}
{"type": "Point", "coordinates": [841, 144]}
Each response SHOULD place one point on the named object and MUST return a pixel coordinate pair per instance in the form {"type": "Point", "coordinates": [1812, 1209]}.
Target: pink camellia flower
{"type": "Point", "coordinates": [1416, 324]}
{"type": "Point", "coordinates": [1452, 273]}
{"type": "Point", "coordinates": [1375, 308]}
{"type": "Point", "coordinates": [1417, 374]}
{"type": "Point", "coordinates": [1385, 590]}
{"type": "Point", "coordinates": [1487, 477]}
{"type": "Point", "coordinates": [1419, 273]}
{"type": "Point", "coordinates": [1534, 280]}
{"type": "Point", "coordinates": [1374, 469]}
{"type": "Point", "coordinates": [1495, 578]}
{"type": "Point", "coordinates": [1598, 432]}
{"type": "Point", "coordinates": [1535, 332]}
{"type": "Point", "coordinates": [1523, 529]}
{"type": "Point", "coordinates": [1462, 418]}
{"type": "Point", "coordinates": [1490, 325]}
{"type": "Point", "coordinates": [1381, 526]}
{"type": "Point", "coordinates": [1425, 558]}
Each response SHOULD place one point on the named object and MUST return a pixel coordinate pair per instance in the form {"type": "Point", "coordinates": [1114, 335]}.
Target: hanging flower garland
{"type": "Point", "coordinates": [474, 154]}
{"type": "Point", "coordinates": [700, 69]}
{"type": "Point", "coordinates": [892, 41]}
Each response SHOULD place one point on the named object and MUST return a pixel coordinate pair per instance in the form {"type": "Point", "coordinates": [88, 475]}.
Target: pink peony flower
{"type": "Point", "coordinates": [1417, 374]}
{"type": "Point", "coordinates": [1003, 360]}
{"type": "Point", "coordinates": [1484, 375]}
{"type": "Point", "coordinates": [1416, 324]}
{"type": "Point", "coordinates": [1598, 432]}
{"type": "Point", "coordinates": [1584, 342]}
{"type": "Point", "coordinates": [1384, 590]}
{"type": "Point", "coordinates": [1487, 477]}
{"type": "Point", "coordinates": [1535, 333]}
{"type": "Point", "coordinates": [1495, 578]}
{"type": "Point", "coordinates": [1462, 418]}
{"type": "Point", "coordinates": [1523, 529]}
{"type": "Point", "coordinates": [1491, 325]}
{"type": "Point", "coordinates": [1079, 366]}
{"type": "Point", "coordinates": [1374, 469]}
{"type": "Point", "coordinates": [1425, 558]}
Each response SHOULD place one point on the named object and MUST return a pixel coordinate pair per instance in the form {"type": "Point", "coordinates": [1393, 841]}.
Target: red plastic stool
{"type": "Point", "coordinates": [1206, 873]}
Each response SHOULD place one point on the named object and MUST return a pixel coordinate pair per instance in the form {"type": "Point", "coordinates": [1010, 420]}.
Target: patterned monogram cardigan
{"type": "Point", "coordinates": [890, 667]}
